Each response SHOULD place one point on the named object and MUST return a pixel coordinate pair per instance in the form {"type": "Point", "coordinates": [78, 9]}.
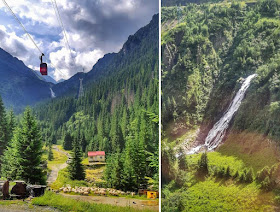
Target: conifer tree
{"type": "Point", "coordinates": [3, 128]}
{"type": "Point", "coordinates": [203, 163]}
{"type": "Point", "coordinates": [75, 168]}
{"type": "Point", "coordinates": [50, 153]}
{"type": "Point", "coordinates": [9, 159]}
{"type": "Point", "coordinates": [28, 142]}
{"type": "Point", "coordinates": [128, 173]}
{"type": "Point", "coordinates": [67, 142]}
{"type": "Point", "coordinates": [182, 160]}
{"type": "Point", "coordinates": [113, 171]}
{"type": "Point", "coordinates": [11, 125]}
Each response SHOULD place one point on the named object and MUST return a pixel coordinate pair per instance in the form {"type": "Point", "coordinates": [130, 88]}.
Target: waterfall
{"type": "Point", "coordinates": [52, 93]}
{"type": "Point", "coordinates": [217, 133]}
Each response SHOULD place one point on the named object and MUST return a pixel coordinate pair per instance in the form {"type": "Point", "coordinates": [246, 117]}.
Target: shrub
{"type": "Point", "coordinates": [236, 175]}
{"type": "Point", "coordinates": [242, 177]}
{"type": "Point", "coordinates": [222, 172]}
{"type": "Point", "coordinates": [261, 175]}
{"type": "Point", "coordinates": [227, 173]}
{"type": "Point", "coordinates": [249, 176]}
{"type": "Point", "coordinates": [203, 163]}
{"type": "Point", "coordinates": [266, 184]}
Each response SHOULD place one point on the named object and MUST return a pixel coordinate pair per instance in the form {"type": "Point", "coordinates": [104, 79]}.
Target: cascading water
{"type": "Point", "coordinates": [52, 93]}
{"type": "Point", "coordinates": [217, 133]}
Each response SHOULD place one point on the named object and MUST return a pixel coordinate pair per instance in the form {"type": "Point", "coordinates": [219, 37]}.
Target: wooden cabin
{"type": "Point", "coordinates": [98, 156]}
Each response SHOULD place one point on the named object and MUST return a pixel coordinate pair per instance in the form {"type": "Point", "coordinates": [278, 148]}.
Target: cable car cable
{"type": "Point", "coordinates": [29, 34]}
{"type": "Point", "coordinates": [58, 16]}
{"type": "Point", "coordinates": [22, 26]}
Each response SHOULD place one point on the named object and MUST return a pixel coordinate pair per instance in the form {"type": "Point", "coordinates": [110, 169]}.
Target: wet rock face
{"type": "Point", "coordinates": [169, 56]}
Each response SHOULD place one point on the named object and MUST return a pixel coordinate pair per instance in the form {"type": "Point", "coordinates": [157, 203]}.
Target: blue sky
{"type": "Point", "coordinates": [94, 28]}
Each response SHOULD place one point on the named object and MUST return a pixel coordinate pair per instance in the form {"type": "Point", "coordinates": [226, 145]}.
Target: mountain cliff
{"type": "Point", "coordinates": [133, 51]}
{"type": "Point", "coordinates": [19, 85]}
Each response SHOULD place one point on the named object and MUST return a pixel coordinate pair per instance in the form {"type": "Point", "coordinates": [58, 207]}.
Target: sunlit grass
{"type": "Point", "coordinates": [211, 195]}
{"type": "Point", "coordinates": [64, 180]}
{"type": "Point", "coordinates": [253, 149]}
{"type": "Point", "coordinates": [58, 158]}
{"type": "Point", "coordinates": [67, 204]}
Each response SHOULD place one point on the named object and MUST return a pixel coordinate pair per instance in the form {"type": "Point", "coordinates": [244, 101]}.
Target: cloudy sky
{"type": "Point", "coordinates": [94, 28]}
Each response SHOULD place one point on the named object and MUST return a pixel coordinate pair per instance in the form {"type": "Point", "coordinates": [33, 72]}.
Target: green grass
{"type": "Point", "coordinates": [67, 204]}
{"type": "Point", "coordinates": [58, 158]}
{"type": "Point", "coordinates": [254, 150]}
{"type": "Point", "coordinates": [63, 180]}
{"type": "Point", "coordinates": [211, 195]}
{"type": "Point", "coordinates": [11, 202]}
{"type": "Point", "coordinates": [61, 148]}
{"type": "Point", "coordinates": [216, 159]}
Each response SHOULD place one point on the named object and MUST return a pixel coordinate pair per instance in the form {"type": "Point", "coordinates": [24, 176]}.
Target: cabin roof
{"type": "Point", "coordinates": [97, 153]}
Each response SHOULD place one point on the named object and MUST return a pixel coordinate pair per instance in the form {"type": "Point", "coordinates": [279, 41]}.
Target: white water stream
{"type": "Point", "coordinates": [52, 93]}
{"type": "Point", "coordinates": [217, 133]}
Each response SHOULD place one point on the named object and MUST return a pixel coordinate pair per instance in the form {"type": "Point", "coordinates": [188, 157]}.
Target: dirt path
{"type": "Point", "coordinates": [118, 201]}
{"type": "Point", "coordinates": [56, 168]}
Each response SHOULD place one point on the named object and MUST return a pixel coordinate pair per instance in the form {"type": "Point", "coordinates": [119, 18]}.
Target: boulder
{"type": "Point", "coordinates": [5, 190]}
{"type": "Point", "coordinates": [20, 190]}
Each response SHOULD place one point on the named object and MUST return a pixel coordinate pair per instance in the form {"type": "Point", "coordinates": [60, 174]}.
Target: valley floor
{"type": "Point", "coordinates": [192, 191]}
{"type": "Point", "coordinates": [118, 201]}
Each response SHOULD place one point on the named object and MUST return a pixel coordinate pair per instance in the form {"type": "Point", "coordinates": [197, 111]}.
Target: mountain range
{"type": "Point", "coordinates": [20, 86]}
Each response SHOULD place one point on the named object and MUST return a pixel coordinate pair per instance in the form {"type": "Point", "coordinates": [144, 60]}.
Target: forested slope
{"type": "Point", "coordinates": [19, 85]}
{"type": "Point", "coordinates": [118, 113]}
{"type": "Point", "coordinates": [133, 51]}
{"type": "Point", "coordinates": [208, 54]}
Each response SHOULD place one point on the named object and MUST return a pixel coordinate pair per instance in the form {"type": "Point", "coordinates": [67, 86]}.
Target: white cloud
{"type": "Point", "coordinates": [93, 29]}
{"type": "Point", "coordinates": [68, 64]}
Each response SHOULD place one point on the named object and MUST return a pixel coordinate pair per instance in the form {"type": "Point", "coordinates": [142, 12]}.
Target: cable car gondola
{"type": "Point", "coordinates": [43, 66]}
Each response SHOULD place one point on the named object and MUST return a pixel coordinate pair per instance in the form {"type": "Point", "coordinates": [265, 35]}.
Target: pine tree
{"type": "Point", "coordinates": [28, 141]}
{"type": "Point", "coordinates": [236, 175]}
{"type": "Point", "coordinates": [203, 163]}
{"type": "Point", "coordinates": [4, 135]}
{"type": "Point", "coordinates": [83, 142]}
{"type": "Point", "coordinates": [67, 142]}
{"type": "Point", "coordinates": [128, 173]}
{"type": "Point", "coordinates": [50, 153]}
{"type": "Point", "coordinates": [140, 168]}
{"type": "Point", "coordinates": [9, 159]}
{"type": "Point", "coordinates": [75, 168]}
{"type": "Point", "coordinates": [249, 176]}
{"type": "Point", "coordinates": [113, 171]}
{"type": "Point", "coordinates": [182, 160]}
{"type": "Point", "coordinates": [227, 173]}
{"type": "Point", "coordinates": [11, 125]}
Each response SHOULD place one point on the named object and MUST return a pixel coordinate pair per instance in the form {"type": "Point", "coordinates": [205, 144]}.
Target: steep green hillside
{"type": "Point", "coordinates": [19, 85]}
{"type": "Point", "coordinates": [118, 113]}
{"type": "Point", "coordinates": [206, 55]}
{"type": "Point", "coordinates": [134, 51]}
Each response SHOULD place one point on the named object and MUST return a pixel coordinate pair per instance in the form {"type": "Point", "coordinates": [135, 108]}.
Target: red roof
{"type": "Point", "coordinates": [97, 153]}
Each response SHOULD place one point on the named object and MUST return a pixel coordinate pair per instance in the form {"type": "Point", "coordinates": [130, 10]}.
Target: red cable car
{"type": "Point", "coordinates": [43, 66]}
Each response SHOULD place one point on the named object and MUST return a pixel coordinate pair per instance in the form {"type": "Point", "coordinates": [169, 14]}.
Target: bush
{"type": "Point", "coordinates": [266, 184]}
{"type": "Point", "coordinates": [242, 177]}
{"type": "Point", "coordinates": [249, 176]}
{"type": "Point", "coordinates": [227, 173]}
{"type": "Point", "coordinates": [261, 175]}
{"type": "Point", "coordinates": [203, 163]}
{"type": "Point", "coordinates": [236, 175]}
